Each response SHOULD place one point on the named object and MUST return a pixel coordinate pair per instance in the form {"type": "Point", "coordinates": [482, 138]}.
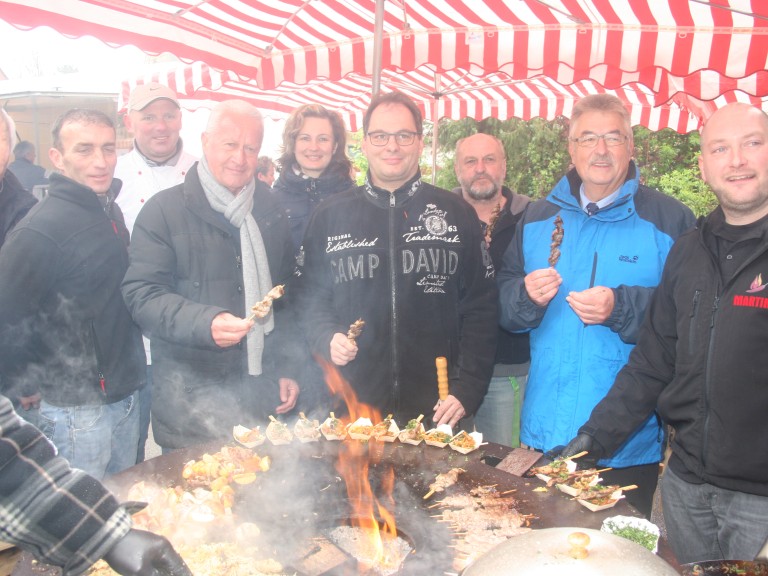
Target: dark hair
{"type": "Point", "coordinates": [23, 148]}
{"type": "Point", "coordinates": [82, 116]}
{"type": "Point", "coordinates": [393, 98]}
{"type": "Point", "coordinates": [263, 164]}
{"type": "Point", "coordinates": [339, 160]}
{"type": "Point", "coordinates": [607, 103]}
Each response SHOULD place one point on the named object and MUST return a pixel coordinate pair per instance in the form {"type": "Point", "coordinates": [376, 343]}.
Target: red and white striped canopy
{"type": "Point", "coordinates": [702, 48]}
{"type": "Point", "coordinates": [453, 94]}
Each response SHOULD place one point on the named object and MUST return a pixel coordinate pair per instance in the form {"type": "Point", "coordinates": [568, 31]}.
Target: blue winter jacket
{"type": "Point", "coordinates": [573, 366]}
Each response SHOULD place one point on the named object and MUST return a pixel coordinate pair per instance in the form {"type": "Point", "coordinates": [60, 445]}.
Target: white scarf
{"type": "Point", "coordinates": [256, 276]}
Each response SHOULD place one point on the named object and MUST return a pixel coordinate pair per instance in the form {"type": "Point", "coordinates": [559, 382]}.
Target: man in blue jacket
{"type": "Point", "coordinates": [579, 276]}
{"type": "Point", "coordinates": [700, 358]}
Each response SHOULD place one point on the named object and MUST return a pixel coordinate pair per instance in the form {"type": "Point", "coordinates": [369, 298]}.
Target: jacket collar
{"type": "Point", "coordinates": [401, 196]}
{"type": "Point", "coordinates": [566, 194]}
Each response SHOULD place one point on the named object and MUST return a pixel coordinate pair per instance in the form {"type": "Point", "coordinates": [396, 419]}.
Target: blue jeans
{"type": "Point", "coordinates": [498, 417]}
{"type": "Point", "coordinates": [709, 523]}
{"type": "Point", "coordinates": [101, 440]}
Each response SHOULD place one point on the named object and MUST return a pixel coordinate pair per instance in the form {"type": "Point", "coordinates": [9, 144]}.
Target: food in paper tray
{"type": "Point", "coordinates": [545, 473]}
{"type": "Point", "coordinates": [413, 433]}
{"type": "Point", "coordinates": [579, 481]}
{"type": "Point", "coordinates": [278, 432]}
{"type": "Point", "coordinates": [439, 437]}
{"type": "Point", "coordinates": [360, 429]}
{"type": "Point", "coordinates": [306, 430]}
{"type": "Point", "coordinates": [599, 497]}
{"type": "Point", "coordinates": [333, 428]}
{"type": "Point", "coordinates": [465, 442]}
{"type": "Point", "coordinates": [248, 437]}
{"type": "Point", "coordinates": [386, 430]}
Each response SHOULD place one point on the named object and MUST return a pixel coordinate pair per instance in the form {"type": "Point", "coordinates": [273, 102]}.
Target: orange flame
{"type": "Point", "coordinates": [353, 465]}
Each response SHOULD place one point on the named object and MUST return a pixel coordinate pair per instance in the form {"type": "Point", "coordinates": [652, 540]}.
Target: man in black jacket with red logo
{"type": "Point", "coordinates": [700, 360]}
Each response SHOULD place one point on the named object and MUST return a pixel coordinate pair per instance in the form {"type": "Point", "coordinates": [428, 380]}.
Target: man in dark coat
{"type": "Point", "coordinates": [410, 260]}
{"type": "Point", "coordinates": [15, 202]}
{"type": "Point", "coordinates": [202, 254]}
{"type": "Point", "coordinates": [481, 166]}
{"type": "Point", "coordinates": [64, 328]}
{"type": "Point", "coordinates": [24, 167]}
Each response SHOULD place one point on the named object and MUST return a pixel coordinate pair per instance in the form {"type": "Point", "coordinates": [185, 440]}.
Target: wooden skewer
{"type": "Point", "coordinates": [626, 488]}
{"type": "Point", "coordinates": [508, 491]}
{"type": "Point", "coordinates": [428, 494]}
{"type": "Point", "coordinates": [579, 455]}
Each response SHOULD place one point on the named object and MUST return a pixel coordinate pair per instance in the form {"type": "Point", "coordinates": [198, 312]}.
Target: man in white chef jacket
{"type": "Point", "coordinates": [157, 162]}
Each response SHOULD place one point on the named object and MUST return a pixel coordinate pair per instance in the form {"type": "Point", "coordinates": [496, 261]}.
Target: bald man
{"type": "Point", "coordinates": [700, 361]}
{"type": "Point", "coordinates": [480, 164]}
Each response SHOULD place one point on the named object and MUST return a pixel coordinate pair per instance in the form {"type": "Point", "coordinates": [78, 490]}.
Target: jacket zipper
{"type": "Point", "coordinates": [393, 305]}
{"type": "Point", "coordinates": [708, 379]}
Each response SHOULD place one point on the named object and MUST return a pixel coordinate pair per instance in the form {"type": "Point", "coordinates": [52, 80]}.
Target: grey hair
{"type": "Point", "coordinates": [239, 107]}
{"type": "Point", "coordinates": [11, 128]}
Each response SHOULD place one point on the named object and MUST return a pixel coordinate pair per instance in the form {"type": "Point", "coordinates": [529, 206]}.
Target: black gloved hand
{"type": "Point", "coordinates": [584, 443]}
{"type": "Point", "coordinates": [142, 553]}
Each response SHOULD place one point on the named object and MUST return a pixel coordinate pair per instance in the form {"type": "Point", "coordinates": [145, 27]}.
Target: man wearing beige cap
{"type": "Point", "coordinates": [157, 162]}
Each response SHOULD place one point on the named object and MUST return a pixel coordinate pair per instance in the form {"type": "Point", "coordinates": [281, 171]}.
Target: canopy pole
{"type": "Point", "coordinates": [435, 118]}
{"type": "Point", "coordinates": [378, 40]}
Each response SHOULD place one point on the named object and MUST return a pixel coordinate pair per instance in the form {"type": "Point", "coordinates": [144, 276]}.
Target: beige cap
{"type": "Point", "coordinates": [144, 94]}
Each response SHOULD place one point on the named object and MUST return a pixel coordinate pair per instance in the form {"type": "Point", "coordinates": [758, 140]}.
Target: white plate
{"type": "Point", "coordinates": [639, 523]}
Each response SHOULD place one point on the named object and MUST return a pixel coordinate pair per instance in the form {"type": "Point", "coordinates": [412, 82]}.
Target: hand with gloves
{"type": "Point", "coordinates": [142, 553]}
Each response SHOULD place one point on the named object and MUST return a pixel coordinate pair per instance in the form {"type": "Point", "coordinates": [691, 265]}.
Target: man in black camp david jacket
{"type": "Point", "coordinates": [410, 260]}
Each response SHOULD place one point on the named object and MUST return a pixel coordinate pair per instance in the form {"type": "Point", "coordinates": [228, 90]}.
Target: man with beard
{"type": "Point", "coordinates": [700, 359]}
{"type": "Point", "coordinates": [409, 260]}
{"type": "Point", "coordinates": [579, 275]}
{"type": "Point", "coordinates": [481, 165]}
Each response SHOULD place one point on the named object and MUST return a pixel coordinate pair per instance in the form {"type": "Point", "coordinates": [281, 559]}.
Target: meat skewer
{"type": "Point", "coordinates": [262, 308]}
{"type": "Point", "coordinates": [557, 240]}
{"type": "Point", "coordinates": [492, 222]}
{"type": "Point", "coordinates": [355, 329]}
{"type": "Point", "coordinates": [443, 481]}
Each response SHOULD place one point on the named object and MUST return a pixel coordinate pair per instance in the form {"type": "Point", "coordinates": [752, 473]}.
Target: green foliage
{"type": "Point", "coordinates": [686, 185]}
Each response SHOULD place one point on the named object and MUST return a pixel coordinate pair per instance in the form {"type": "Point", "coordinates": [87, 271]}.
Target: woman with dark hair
{"type": "Point", "coordinates": [313, 164]}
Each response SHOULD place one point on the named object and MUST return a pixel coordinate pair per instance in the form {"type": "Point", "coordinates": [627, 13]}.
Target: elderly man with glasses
{"type": "Point", "coordinates": [579, 276]}
{"type": "Point", "coordinates": [410, 260]}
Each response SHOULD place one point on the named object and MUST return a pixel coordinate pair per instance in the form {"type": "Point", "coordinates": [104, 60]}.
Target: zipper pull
{"type": "Point", "coordinates": [102, 383]}
{"type": "Point", "coordinates": [714, 311]}
{"type": "Point", "coordinates": [391, 200]}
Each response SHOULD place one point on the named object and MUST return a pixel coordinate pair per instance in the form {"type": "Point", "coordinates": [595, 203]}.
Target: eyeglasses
{"type": "Point", "coordinates": [591, 140]}
{"type": "Point", "coordinates": [382, 138]}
